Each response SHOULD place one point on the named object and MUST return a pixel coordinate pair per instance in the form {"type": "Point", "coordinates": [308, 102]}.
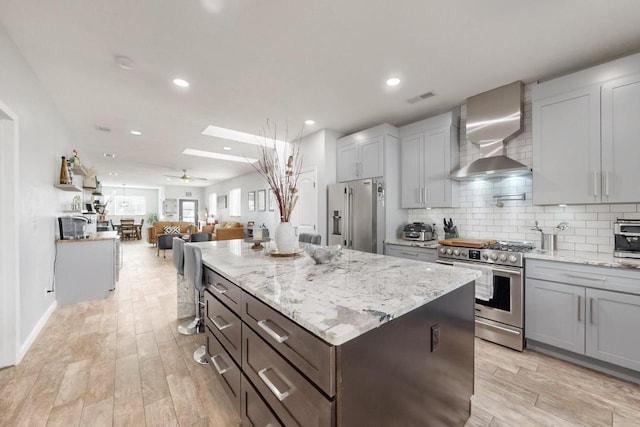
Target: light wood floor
{"type": "Point", "coordinates": [120, 361]}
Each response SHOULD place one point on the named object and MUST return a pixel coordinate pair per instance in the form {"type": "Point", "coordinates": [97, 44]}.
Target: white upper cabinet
{"type": "Point", "coordinates": [585, 135]}
{"type": "Point", "coordinates": [566, 148]}
{"type": "Point", "coordinates": [621, 140]}
{"type": "Point", "coordinates": [429, 151]}
{"type": "Point", "coordinates": [360, 158]}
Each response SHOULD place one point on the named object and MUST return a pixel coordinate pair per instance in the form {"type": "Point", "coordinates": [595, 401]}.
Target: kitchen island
{"type": "Point", "coordinates": [364, 340]}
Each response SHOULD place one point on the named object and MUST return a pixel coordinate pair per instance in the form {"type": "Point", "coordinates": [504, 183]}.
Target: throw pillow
{"type": "Point", "coordinates": [171, 230]}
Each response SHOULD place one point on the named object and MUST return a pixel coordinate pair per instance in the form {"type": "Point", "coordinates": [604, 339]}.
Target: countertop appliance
{"type": "Point", "coordinates": [356, 215]}
{"type": "Point", "coordinates": [418, 231]}
{"type": "Point", "coordinates": [92, 222]}
{"type": "Point", "coordinates": [499, 318]}
{"type": "Point", "coordinates": [72, 227]}
{"type": "Point", "coordinates": [626, 238]}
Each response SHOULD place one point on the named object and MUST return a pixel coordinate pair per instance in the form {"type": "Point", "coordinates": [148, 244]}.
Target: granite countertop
{"type": "Point", "coordinates": [587, 258]}
{"type": "Point", "coordinates": [100, 235]}
{"type": "Point", "coordinates": [429, 244]}
{"type": "Point", "coordinates": [339, 301]}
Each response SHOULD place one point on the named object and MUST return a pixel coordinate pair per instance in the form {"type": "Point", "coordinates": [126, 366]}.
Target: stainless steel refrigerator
{"type": "Point", "coordinates": [356, 215]}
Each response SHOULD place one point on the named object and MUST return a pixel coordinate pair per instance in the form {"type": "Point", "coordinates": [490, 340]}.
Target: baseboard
{"type": "Point", "coordinates": [36, 331]}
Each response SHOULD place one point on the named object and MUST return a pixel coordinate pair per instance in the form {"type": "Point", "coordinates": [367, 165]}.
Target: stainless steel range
{"type": "Point", "coordinates": [500, 312]}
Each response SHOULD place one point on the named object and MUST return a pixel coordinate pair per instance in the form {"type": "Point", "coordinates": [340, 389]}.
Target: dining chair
{"type": "Point", "coordinates": [128, 228]}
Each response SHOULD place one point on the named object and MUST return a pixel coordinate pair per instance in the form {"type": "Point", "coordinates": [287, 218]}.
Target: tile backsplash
{"type": "Point", "coordinates": [590, 226]}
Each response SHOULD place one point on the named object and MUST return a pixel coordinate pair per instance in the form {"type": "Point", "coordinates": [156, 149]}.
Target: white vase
{"type": "Point", "coordinates": [285, 238]}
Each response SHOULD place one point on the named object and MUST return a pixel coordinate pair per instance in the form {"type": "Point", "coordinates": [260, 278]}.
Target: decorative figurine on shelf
{"type": "Point", "coordinates": [74, 160]}
{"type": "Point", "coordinates": [64, 172]}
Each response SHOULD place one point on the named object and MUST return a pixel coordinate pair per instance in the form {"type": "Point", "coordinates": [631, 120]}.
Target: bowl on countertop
{"type": "Point", "coordinates": [322, 254]}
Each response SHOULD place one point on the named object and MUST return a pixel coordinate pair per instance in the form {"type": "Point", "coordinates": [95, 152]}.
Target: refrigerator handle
{"type": "Point", "coordinates": [345, 217]}
{"type": "Point", "coordinates": [350, 217]}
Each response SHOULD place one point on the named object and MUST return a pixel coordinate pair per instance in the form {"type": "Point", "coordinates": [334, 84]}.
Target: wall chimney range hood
{"type": "Point", "coordinates": [493, 118]}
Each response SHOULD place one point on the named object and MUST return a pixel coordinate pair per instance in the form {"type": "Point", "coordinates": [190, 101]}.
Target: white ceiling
{"type": "Point", "coordinates": [249, 60]}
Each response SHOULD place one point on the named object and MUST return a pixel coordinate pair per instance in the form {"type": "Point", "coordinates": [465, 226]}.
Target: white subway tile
{"type": "Point", "coordinates": [586, 247]}
{"type": "Point", "coordinates": [586, 216]}
{"type": "Point", "coordinates": [598, 208]}
{"type": "Point", "coordinates": [594, 240]}
{"type": "Point", "coordinates": [624, 208]}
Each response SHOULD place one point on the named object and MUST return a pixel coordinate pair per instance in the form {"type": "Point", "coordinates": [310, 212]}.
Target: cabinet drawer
{"type": "Point", "coordinates": [224, 367]}
{"type": "Point", "coordinates": [291, 396]}
{"type": "Point", "coordinates": [608, 278]}
{"type": "Point", "coordinates": [419, 254]}
{"type": "Point", "coordinates": [309, 354]}
{"type": "Point", "coordinates": [224, 324]}
{"type": "Point", "coordinates": [223, 289]}
{"type": "Point", "coordinates": [255, 411]}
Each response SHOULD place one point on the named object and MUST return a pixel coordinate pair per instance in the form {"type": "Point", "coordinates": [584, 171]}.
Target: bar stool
{"type": "Point", "coordinates": [193, 274]}
{"type": "Point", "coordinates": [314, 239]}
{"type": "Point", "coordinates": [184, 291]}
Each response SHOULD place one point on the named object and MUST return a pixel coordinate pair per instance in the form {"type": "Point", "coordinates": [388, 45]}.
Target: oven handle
{"type": "Point", "coordinates": [498, 270]}
{"type": "Point", "coordinates": [497, 327]}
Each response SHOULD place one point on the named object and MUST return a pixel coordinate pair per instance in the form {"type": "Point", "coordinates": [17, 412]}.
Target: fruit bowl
{"type": "Point", "coordinates": [322, 254]}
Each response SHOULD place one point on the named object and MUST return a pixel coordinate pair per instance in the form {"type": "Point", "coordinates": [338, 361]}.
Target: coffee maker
{"type": "Point", "coordinates": [72, 227]}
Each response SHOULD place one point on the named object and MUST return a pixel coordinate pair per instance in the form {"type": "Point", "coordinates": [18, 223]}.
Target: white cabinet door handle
{"type": "Point", "coordinates": [587, 277]}
{"type": "Point", "coordinates": [591, 311]}
{"type": "Point", "coordinates": [606, 183]}
{"type": "Point", "coordinates": [595, 184]}
{"type": "Point", "coordinates": [579, 308]}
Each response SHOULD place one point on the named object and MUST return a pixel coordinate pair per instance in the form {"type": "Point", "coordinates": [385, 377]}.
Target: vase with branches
{"type": "Point", "coordinates": [280, 163]}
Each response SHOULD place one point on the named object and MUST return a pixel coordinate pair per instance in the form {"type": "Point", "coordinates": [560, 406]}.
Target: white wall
{"type": "Point", "coordinates": [319, 151]}
{"type": "Point", "coordinates": [249, 182]}
{"type": "Point", "coordinates": [591, 226]}
{"type": "Point", "coordinates": [44, 137]}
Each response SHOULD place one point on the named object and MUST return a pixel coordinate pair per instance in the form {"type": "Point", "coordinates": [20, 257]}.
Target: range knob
{"type": "Point", "coordinates": [503, 257]}
{"type": "Point", "coordinates": [443, 251]}
{"type": "Point", "coordinates": [456, 252]}
{"type": "Point", "coordinates": [512, 258]}
{"type": "Point", "coordinates": [494, 256]}
{"type": "Point", "coordinates": [449, 251]}
{"type": "Point", "coordinates": [485, 256]}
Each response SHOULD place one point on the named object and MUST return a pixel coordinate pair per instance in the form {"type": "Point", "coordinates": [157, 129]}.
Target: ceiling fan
{"type": "Point", "coordinates": [185, 177]}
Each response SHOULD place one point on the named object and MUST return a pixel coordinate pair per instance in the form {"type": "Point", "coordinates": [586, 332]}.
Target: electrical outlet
{"type": "Point", "coordinates": [435, 337]}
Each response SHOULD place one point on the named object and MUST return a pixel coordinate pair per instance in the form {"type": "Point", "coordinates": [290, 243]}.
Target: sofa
{"type": "Point", "coordinates": [226, 230]}
{"type": "Point", "coordinates": [157, 228]}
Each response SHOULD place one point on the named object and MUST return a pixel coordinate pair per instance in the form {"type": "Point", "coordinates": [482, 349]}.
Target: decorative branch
{"type": "Point", "coordinates": [281, 176]}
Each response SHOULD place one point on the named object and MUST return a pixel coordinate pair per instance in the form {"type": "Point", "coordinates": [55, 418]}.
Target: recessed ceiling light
{"type": "Point", "coordinates": [109, 155]}
{"type": "Point", "coordinates": [113, 173]}
{"type": "Point", "coordinates": [220, 156]}
{"type": "Point", "coordinates": [168, 179]}
{"type": "Point", "coordinates": [309, 122]}
{"type": "Point", "coordinates": [136, 132]}
{"type": "Point", "coordinates": [181, 82]}
{"type": "Point", "coordinates": [125, 62]}
{"type": "Point", "coordinates": [393, 81]}
{"type": "Point", "coordinates": [226, 148]}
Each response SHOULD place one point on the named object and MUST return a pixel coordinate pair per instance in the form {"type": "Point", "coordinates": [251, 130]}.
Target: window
{"type": "Point", "coordinates": [129, 205]}
{"type": "Point", "coordinates": [213, 204]}
{"type": "Point", "coordinates": [235, 202]}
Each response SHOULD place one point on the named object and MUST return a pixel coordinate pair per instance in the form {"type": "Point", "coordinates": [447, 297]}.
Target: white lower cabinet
{"type": "Point", "coordinates": [587, 311]}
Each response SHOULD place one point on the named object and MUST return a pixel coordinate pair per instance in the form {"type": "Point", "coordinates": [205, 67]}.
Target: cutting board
{"type": "Point", "coordinates": [466, 243]}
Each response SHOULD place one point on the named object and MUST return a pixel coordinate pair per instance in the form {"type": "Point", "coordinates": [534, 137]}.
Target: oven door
{"type": "Point", "coordinates": [506, 305]}
{"type": "Point", "coordinates": [507, 302]}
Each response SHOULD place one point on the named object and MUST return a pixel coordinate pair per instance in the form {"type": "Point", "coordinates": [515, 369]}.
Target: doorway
{"type": "Point", "coordinates": [9, 256]}
{"type": "Point", "coordinates": [305, 215]}
{"type": "Point", "coordinates": [188, 210]}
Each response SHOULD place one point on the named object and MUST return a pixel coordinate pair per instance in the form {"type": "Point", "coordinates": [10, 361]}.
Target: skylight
{"type": "Point", "coordinates": [234, 135]}
{"type": "Point", "coordinates": [220, 156]}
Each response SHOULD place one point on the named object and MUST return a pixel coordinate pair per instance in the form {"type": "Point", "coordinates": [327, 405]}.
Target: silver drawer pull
{"type": "Point", "coordinates": [587, 277]}
{"type": "Point", "coordinates": [498, 327]}
{"type": "Point", "coordinates": [273, 334]}
{"type": "Point", "coordinates": [219, 288]}
{"type": "Point", "coordinates": [263, 376]}
{"type": "Point", "coordinates": [219, 325]}
{"type": "Point", "coordinates": [218, 368]}
{"type": "Point", "coordinates": [409, 253]}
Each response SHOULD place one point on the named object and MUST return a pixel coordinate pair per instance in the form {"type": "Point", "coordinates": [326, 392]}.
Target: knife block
{"type": "Point", "coordinates": [453, 233]}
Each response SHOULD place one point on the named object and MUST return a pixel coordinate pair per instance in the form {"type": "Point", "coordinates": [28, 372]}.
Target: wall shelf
{"type": "Point", "coordinates": [79, 170]}
{"type": "Point", "coordinates": [68, 187]}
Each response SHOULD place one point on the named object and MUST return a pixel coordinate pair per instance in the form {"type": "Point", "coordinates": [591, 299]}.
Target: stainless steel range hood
{"type": "Point", "coordinates": [493, 118]}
